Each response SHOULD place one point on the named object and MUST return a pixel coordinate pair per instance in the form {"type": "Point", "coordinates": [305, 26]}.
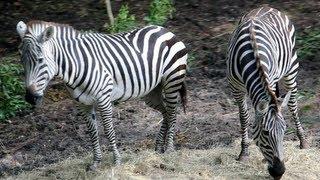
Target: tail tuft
{"type": "Point", "coordinates": [183, 95]}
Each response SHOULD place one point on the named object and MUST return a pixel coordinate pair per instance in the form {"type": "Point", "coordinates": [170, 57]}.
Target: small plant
{"type": "Point", "coordinates": [124, 21]}
{"type": "Point", "coordinates": [305, 95]}
{"type": "Point", "coordinates": [159, 12]}
{"type": "Point", "coordinates": [309, 44]}
{"type": "Point", "coordinates": [192, 60]}
{"type": "Point", "coordinates": [11, 90]}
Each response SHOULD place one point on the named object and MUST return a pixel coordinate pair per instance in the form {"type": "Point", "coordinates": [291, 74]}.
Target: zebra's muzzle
{"type": "Point", "coordinates": [33, 99]}
{"type": "Point", "coordinates": [277, 169]}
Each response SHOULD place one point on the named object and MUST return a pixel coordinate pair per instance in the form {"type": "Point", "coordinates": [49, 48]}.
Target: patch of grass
{"type": "Point", "coordinates": [11, 89]}
{"type": "Point", "coordinates": [160, 11]}
{"type": "Point", "coordinates": [124, 21]}
{"type": "Point", "coordinates": [219, 163]}
{"type": "Point", "coordinates": [306, 108]}
{"type": "Point", "coordinates": [290, 130]}
{"type": "Point", "coordinates": [309, 44]}
{"type": "Point", "coordinates": [306, 95]}
{"type": "Point", "coordinates": [309, 120]}
{"type": "Point", "coordinates": [192, 60]}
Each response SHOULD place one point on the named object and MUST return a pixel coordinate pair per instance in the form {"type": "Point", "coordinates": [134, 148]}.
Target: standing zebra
{"type": "Point", "coordinates": [261, 53]}
{"type": "Point", "coordinates": [99, 69]}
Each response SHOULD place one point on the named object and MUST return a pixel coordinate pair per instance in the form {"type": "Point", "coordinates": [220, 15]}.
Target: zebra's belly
{"type": "Point", "coordinates": [120, 94]}
{"type": "Point", "coordinates": [81, 96]}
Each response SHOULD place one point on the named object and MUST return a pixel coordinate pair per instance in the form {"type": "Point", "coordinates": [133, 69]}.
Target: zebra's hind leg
{"type": "Point", "coordinates": [291, 85]}
{"type": "Point", "coordinates": [155, 100]}
{"type": "Point", "coordinates": [88, 113]}
{"type": "Point", "coordinates": [244, 123]}
{"type": "Point", "coordinates": [105, 108]}
{"type": "Point", "coordinates": [171, 102]}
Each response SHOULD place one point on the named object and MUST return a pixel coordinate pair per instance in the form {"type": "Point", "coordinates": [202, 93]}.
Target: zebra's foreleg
{"type": "Point", "coordinates": [88, 113]}
{"type": "Point", "coordinates": [292, 104]}
{"type": "Point", "coordinates": [244, 123]}
{"type": "Point", "coordinates": [291, 85]}
{"type": "Point", "coordinates": [106, 115]}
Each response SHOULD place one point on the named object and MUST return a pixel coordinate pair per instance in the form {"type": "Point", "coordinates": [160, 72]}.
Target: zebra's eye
{"type": "Point", "coordinates": [265, 132]}
{"type": "Point", "coordinates": [40, 59]}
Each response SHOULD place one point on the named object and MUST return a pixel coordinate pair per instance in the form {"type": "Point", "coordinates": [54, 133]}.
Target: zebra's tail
{"type": "Point", "coordinates": [183, 95]}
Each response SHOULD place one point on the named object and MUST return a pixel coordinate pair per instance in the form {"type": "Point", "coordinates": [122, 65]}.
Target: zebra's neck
{"type": "Point", "coordinates": [70, 59]}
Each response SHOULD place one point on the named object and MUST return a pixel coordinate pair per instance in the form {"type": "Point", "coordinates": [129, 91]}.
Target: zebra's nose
{"type": "Point", "coordinates": [32, 97]}
{"type": "Point", "coordinates": [277, 169]}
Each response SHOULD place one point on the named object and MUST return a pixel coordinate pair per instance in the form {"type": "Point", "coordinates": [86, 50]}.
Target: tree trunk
{"type": "Point", "coordinates": [109, 11]}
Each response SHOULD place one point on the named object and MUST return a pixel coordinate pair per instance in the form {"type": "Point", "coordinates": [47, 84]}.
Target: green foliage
{"type": "Point", "coordinates": [11, 90]}
{"type": "Point", "coordinates": [159, 12]}
{"type": "Point", "coordinates": [306, 95]}
{"type": "Point", "coordinates": [191, 60]}
{"type": "Point", "coordinates": [124, 21]}
{"type": "Point", "coordinates": [309, 44]}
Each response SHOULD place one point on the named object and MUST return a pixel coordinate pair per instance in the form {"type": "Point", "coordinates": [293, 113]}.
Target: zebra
{"type": "Point", "coordinates": [100, 69]}
{"type": "Point", "coordinates": [262, 53]}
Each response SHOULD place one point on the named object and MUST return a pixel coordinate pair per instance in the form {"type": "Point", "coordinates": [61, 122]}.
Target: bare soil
{"type": "Point", "coordinates": [53, 132]}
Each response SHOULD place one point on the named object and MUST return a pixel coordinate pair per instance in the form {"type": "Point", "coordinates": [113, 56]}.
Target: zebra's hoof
{"type": "Point", "coordinates": [170, 149]}
{"type": "Point", "coordinates": [93, 167]}
{"type": "Point", "coordinates": [243, 158]}
{"type": "Point", "coordinates": [264, 160]}
{"type": "Point", "coordinates": [304, 144]}
{"type": "Point", "coordinates": [159, 149]}
{"type": "Point", "coordinates": [117, 161]}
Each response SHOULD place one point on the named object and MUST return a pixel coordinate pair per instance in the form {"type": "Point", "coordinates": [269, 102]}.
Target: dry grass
{"type": "Point", "coordinates": [218, 163]}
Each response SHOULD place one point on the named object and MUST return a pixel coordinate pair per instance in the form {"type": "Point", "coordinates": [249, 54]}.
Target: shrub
{"type": "Point", "coordinates": [124, 21]}
{"type": "Point", "coordinates": [11, 90]}
{"type": "Point", "coordinates": [159, 12]}
{"type": "Point", "coordinates": [309, 44]}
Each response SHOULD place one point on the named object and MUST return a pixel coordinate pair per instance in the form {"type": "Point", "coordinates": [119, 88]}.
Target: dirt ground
{"type": "Point", "coordinates": [53, 132]}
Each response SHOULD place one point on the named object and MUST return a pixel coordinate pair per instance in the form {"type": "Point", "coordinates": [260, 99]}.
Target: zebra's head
{"type": "Point", "coordinates": [37, 60]}
{"type": "Point", "coordinates": [269, 130]}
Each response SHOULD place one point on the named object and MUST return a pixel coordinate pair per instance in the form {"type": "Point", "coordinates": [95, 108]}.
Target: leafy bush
{"type": "Point", "coordinates": [11, 90]}
{"type": "Point", "coordinates": [124, 21]}
{"type": "Point", "coordinates": [309, 44]}
{"type": "Point", "coordinates": [159, 12]}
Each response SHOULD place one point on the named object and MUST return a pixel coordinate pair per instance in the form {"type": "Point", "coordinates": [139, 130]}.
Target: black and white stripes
{"type": "Point", "coordinates": [261, 53]}
{"type": "Point", "coordinates": [99, 69]}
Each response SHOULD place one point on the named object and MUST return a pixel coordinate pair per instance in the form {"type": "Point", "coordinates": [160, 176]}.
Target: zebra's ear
{"type": "Point", "coordinates": [262, 106]}
{"type": "Point", "coordinates": [21, 29]}
{"type": "Point", "coordinates": [284, 100]}
{"type": "Point", "coordinates": [46, 34]}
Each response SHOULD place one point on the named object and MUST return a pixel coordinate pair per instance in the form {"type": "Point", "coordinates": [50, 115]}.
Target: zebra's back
{"type": "Point", "coordinates": [138, 60]}
{"type": "Point", "coordinates": [272, 34]}
{"type": "Point", "coordinates": [143, 59]}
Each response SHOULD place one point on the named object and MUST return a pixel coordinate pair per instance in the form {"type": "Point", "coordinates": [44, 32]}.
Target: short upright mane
{"type": "Point", "coordinates": [259, 65]}
{"type": "Point", "coordinates": [35, 27]}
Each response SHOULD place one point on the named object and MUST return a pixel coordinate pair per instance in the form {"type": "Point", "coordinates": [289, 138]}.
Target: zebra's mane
{"type": "Point", "coordinates": [260, 67]}
{"type": "Point", "coordinates": [258, 13]}
{"type": "Point", "coordinates": [36, 27]}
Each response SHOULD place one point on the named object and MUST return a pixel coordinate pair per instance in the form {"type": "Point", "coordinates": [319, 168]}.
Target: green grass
{"type": "Point", "coordinates": [11, 89]}
{"type": "Point", "coordinates": [309, 44]}
{"type": "Point", "coordinates": [306, 95]}
{"type": "Point", "coordinates": [159, 12]}
{"type": "Point", "coordinates": [192, 60]}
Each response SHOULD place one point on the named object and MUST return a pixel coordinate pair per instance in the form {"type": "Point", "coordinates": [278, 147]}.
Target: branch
{"type": "Point", "coordinates": [109, 11]}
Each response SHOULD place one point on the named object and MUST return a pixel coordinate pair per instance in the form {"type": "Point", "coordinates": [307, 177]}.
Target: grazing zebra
{"type": "Point", "coordinates": [99, 69]}
{"type": "Point", "coordinates": [260, 54]}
